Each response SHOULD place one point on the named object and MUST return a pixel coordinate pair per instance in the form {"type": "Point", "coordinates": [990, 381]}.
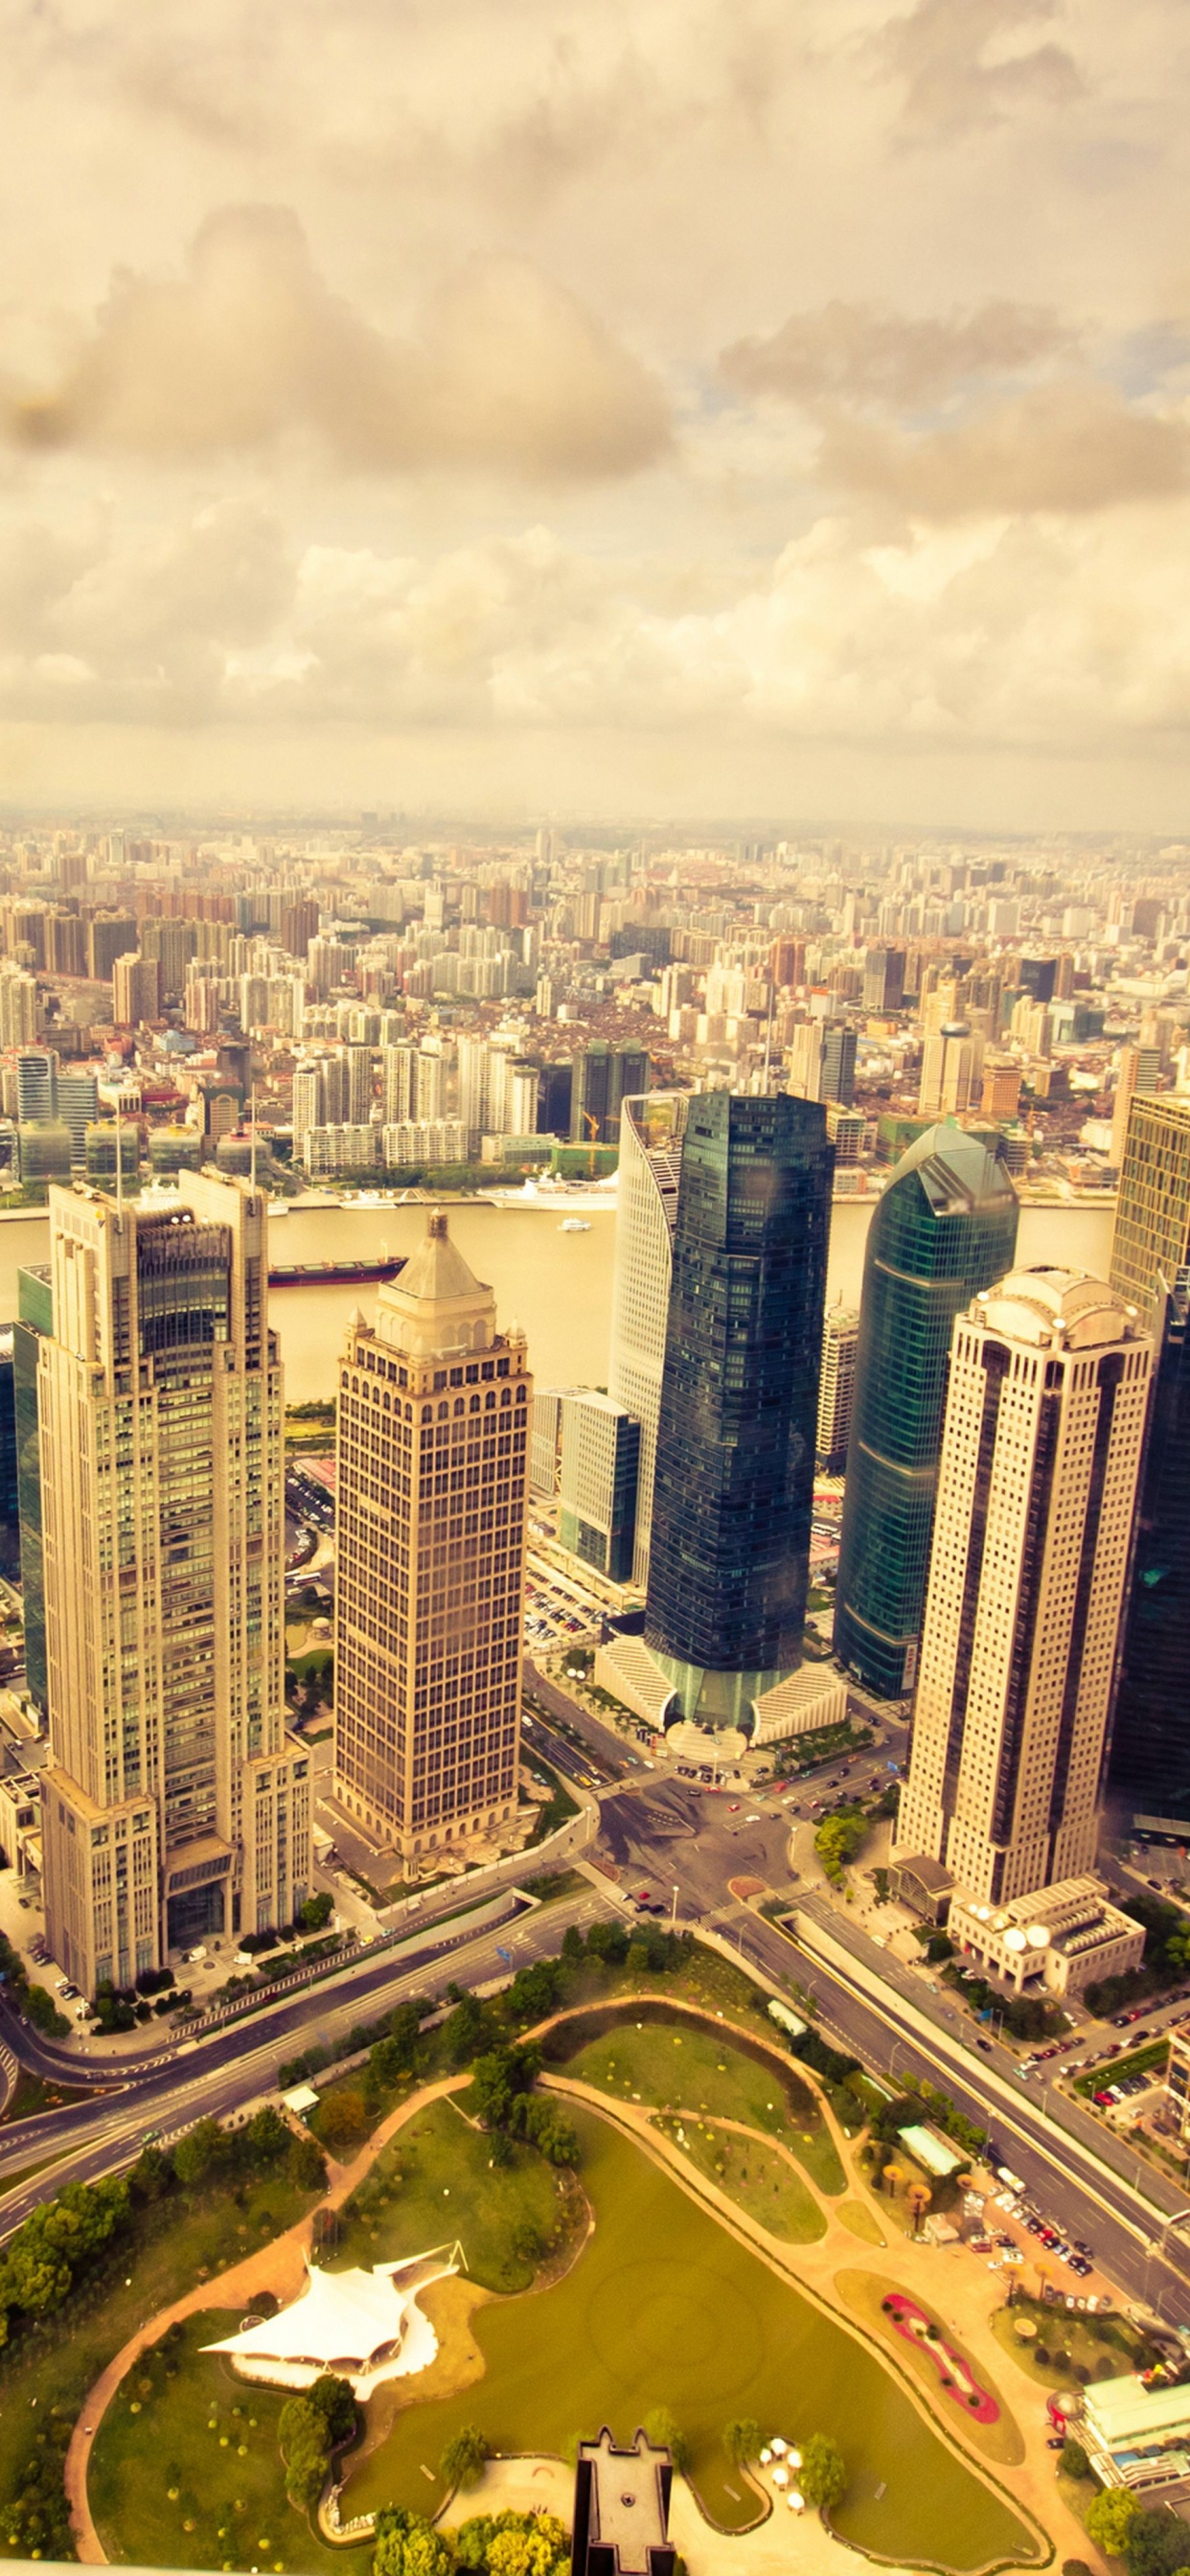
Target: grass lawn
{"type": "Point", "coordinates": [184, 2238]}
{"type": "Point", "coordinates": [186, 2470]}
{"type": "Point", "coordinates": [436, 2180]}
{"type": "Point", "coordinates": [757, 2177]}
{"type": "Point", "coordinates": [861, 2221]}
{"type": "Point", "coordinates": [864, 2292]}
{"type": "Point", "coordinates": [673, 2064]}
{"type": "Point", "coordinates": [662, 2307]}
{"type": "Point", "coordinates": [1103, 2347]}
{"type": "Point", "coordinates": [31, 2093]}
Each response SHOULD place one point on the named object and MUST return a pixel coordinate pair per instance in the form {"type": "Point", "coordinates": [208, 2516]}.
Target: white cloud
{"type": "Point", "coordinates": [505, 369]}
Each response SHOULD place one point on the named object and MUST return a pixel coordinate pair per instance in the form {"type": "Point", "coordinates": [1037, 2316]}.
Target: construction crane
{"type": "Point", "coordinates": [591, 1121]}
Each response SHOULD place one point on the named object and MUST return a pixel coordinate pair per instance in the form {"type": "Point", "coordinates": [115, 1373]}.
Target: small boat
{"type": "Point", "coordinates": [574, 1225]}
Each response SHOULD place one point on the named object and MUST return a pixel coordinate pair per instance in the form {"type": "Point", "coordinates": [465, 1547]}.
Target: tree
{"type": "Point", "coordinates": [823, 2473]}
{"type": "Point", "coordinates": [664, 2430]}
{"type": "Point", "coordinates": [1109, 2518]}
{"type": "Point", "coordinates": [1073, 2461]}
{"type": "Point", "coordinates": [316, 1912]}
{"type": "Point", "coordinates": [307, 2164]}
{"type": "Point", "coordinates": [309, 2429]}
{"type": "Point", "coordinates": [334, 2400]}
{"type": "Point", "coordinates": [408, 2545]}
{"type": "Point", "coordinates": [741, 2440]}
{"type": "Point", "coordinates": [514, 2544]}
{"type": "Point", "coordinates": [544, 2123]}
{"type": "Point", "coordinates": [1156, 2544]}
{"type": "Point", "coordinates": [203, 2147]}
{"type": "Point", "coordinates": [343, 2118]}
{"type": "Point", "coordinates": [266, 2137]}
{"type": "Point", "coordinates": [919, 2197]}
{"type": "Point", "coordinates": [498, 2078]}
{"type": "Point", "coordinates": [463, 2460]}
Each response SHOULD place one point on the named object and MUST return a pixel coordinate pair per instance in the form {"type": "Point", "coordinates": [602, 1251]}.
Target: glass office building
{"type": "Point", "coordinates": [734, 1479]}
{"type": "Point", "coordinates": [1149, 1769]}
{"type": "Point", "coordinates": [945, 1227]}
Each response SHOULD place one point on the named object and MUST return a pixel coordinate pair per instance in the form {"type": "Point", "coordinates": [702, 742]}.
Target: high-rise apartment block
{"type": "Point", "coordinates": [734, 1479]}
{"type": "Point", "coordinates": [1151, 1243]}
{"type": "Point", "coordinates": [821, 1061]}
{"type": "Point", "coordinates": [836, 1385]}
{"type": "Point", "coordinates": [1045, 1419]}
{"type": "Point", "coordinates": [651, 1130]}
{"type": "Point", "coordinates": [945, 1227]}
{"type": "Point", "coordinates": [434, 1409]}
{"type": "Point", "coordinates": [136, 989]}
{"type": "Point", "coordinates": [174, 1805]}
{"type": "Point", "coordinates": [1150, 1753]}
{"type": "Point", "coordinates": [951, 1071]}
{"type": "Point", "coordinates": [603, 1078]}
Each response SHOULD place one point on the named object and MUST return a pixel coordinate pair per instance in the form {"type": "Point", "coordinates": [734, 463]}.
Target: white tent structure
{"type": "Point", "coordinates": [364, 2326]}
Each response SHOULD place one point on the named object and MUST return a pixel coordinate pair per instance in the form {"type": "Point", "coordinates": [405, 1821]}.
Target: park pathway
{"type": "Point", "coordinates": [279, 2267]}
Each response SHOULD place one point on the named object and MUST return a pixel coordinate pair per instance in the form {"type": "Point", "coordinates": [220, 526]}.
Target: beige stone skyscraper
{"type": "Point", "coordinates": [1045, 1416]}
{"type": "Point", "coordinates": [434, 1407]}
{"type": "Point", "coordinates": [175, 1808]}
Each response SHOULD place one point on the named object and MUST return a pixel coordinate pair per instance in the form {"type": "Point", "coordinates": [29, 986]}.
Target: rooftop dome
{"type": "Point", "coordinates": [1067, 1307]}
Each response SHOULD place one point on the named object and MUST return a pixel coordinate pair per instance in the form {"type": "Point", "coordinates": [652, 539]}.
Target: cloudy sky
{"type": "Point", "coordinates": [659, 407]}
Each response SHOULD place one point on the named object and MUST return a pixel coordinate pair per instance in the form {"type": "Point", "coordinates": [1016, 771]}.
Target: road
{"type": "Point", "coordinates": [1065, 2179]}
{"type": "Point", "coordinates": [217, 2076]}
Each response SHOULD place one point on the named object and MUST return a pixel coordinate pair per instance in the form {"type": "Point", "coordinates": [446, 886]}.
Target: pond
{"type": "Point", "coordinates": [664, 2308]}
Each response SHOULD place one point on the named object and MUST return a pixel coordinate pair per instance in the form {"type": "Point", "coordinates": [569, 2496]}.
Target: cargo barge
{"type": "Point", "coordinates": [333, 1274]}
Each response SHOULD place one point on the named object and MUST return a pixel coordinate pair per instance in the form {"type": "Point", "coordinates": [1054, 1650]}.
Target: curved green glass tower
{"type": "Point", "coordinates": [945, 1227]}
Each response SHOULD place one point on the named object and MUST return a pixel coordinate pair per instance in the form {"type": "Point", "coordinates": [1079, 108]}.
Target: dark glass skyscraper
{"type": "Point", "coordinates": [1150, 1753]}
{"type": "Point", "coordinates": [734, 1481]}
{"type": "Point", "coordinates": [945, 1227]}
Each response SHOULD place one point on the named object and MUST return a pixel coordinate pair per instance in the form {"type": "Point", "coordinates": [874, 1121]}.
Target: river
{"type": "Point", "coordinates": [556, 1286]}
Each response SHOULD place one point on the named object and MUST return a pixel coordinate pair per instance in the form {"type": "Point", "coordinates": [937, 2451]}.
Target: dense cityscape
{"type": "Point", "coordinates": [612, 1728]}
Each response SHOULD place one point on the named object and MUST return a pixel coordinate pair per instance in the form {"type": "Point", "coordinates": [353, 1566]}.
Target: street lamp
{"type": "Point", "coordinates": [673, 1911]}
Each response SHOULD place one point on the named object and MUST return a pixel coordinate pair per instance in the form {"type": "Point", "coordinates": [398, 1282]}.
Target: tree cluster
{"type": "Point", "coordinates": [838, 1839]}
{"type": "Point", "coordinates": [56, 2244]}
{"type": "Point", "coordinates": [1166, 1959]}
{"type": "Point", "coordinates": [1150, 2543]}
{"type": "Point", "coordinates": [29, 1998]}
{"type": "Point", "coordinates": [502, 2085]}
{"type": "Point", "coordinates": [491, 2544]}
{"type": "Point", "coordinates": [311, 2429]}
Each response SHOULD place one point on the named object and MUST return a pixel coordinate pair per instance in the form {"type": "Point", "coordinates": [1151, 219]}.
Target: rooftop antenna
{"type": "Point", "coordinates": [119, 1164]}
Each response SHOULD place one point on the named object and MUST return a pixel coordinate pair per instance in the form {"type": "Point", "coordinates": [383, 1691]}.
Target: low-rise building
{"type": "Point", "coordinates": [1137, 2436]}
{"type": "Point", "coordinates": [1060, 1938]}
{"type": "Point", "coordinates": [1178, 2078]}
{"type": "Point", "coordinates": [621, 2510]}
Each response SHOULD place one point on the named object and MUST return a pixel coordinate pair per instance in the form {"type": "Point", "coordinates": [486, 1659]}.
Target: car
{"type": "Point", "coordinates": [61, 1984]}
{"type": "Point", "coordinates": [986, 2046]}
{"type": "Point", "coordinates": [1055, 2442]}
{"type": "Point", "coordinates": [734, 1808]}
{"type": "Point", "coordinates": [69, 1994]}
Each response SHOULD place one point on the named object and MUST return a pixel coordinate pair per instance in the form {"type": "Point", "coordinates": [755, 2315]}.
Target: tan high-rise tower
{"type": "Point", "coordinates": [174, 1806]}
{"type": "Point", "coordinates": [434, 1409]}
{"type": "Point", "coordinates": [1045, 1416]}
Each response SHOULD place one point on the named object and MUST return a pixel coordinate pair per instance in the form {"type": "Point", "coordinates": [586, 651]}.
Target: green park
{"type": "Point", "coordinates": [633, 2190]}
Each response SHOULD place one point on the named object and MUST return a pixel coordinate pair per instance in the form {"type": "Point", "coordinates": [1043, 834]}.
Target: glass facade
{"type": "Point", "coordinates": [35, 1306]}
{"type": "Point", "coordinates": [1150, 1754]}
{"type": "Point", "coordinates": [1151, 1243]}
{"type": "Point", "coordinates": [734, 1477]}
{"type": "Point", "coordinates": [945, 1227]}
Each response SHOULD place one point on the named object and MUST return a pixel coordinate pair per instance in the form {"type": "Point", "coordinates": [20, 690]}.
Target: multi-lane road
{"type": "Point", "coordinates": [695, 1857]}
{"type": "Point", "coordinates": [168, 2090]}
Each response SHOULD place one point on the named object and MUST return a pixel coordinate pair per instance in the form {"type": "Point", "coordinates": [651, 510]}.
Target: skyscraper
{"type": "Point", "coordinates": [1152, 1237]}
{"type": "Point", "coordinates": [1150, 1752]}
{"type": "Point", "coordinates": [836, 1386]}
{"type": "Point", "coordinates": [945, 1226]}
{"type": "Point", "coordinates": [646, 1209]}
{"type": "Point", "coordinates": [600, 1460]}
{"type": "Point", "coordinates": [174, 1805]}
{"type": "Point", "coordinates": [1045, 1417]}
{"type": "Point", "coordinates": [734, 1479]}
{"type": "Point", "coordinates": [434, 1406]}
{"type": "Point", "coordinates": [604, 1077]}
